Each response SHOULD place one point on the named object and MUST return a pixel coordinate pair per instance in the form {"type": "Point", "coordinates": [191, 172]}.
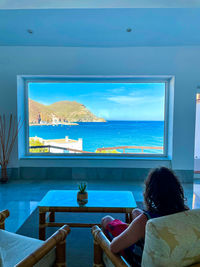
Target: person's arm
{"type": "Point", "coordinates": [131, 235]}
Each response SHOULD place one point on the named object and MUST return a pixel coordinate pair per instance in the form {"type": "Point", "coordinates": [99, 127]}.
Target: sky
{"type": "Point", "coordinates": [111, 101]}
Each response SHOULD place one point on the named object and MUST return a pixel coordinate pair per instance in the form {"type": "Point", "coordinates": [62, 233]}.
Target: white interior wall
{"type": "Point", "coordinates": [183, 62]}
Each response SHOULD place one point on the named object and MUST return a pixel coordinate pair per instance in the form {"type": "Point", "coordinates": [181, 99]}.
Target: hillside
{"type": "Point", "coordinates": [35, 109]}
{"type": "Point", "coordinates": [62, 111]}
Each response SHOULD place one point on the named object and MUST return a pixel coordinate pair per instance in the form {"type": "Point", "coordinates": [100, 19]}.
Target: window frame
{"type": "Point", "coordinates": [26, 79]}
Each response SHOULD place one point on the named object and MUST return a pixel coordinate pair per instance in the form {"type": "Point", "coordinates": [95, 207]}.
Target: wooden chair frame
{"type": "Point", "coordinates": [57, 240]}
{"type": "Point", "coordinates": [101, 243]}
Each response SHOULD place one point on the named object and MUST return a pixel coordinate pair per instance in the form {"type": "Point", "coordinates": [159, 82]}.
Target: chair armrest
{"type": "Point", "coordinates": [3, 215]}
{"type": "Point", "coordinates": [57, 238]}
{"type": "Point", "coordinates": [104, 243]}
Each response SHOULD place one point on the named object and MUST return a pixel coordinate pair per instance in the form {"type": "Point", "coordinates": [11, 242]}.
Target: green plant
{"type": "Point", "coordinates": [82, 187]}
{"type": "Point", "coordinates": [35, 142]}
{"type": "Point", "coordinates": [107, 151]}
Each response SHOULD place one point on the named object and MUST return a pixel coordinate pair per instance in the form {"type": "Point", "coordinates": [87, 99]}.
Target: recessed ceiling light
{"type": "Point", "coordinates": [128, 29]}
{"type": "Point", "coordinates": [30, 31]}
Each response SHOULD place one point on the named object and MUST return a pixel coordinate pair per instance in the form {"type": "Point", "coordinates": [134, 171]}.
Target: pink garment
{"type": "Point", "coordinates": [116, 227]}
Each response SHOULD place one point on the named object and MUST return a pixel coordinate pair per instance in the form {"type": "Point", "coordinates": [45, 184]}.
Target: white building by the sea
{"type": "Point", "coordinates": [65, 145]}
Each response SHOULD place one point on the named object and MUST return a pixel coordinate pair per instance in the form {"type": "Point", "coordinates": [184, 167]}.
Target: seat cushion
{"type": "Point", "coordinates": [16, 247]}
{"type": "Point", "coordinates": [173, 240]}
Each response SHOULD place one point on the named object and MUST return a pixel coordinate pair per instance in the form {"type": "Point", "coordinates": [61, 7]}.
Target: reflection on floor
{"type": "Point", "coordinates": [21, 197]}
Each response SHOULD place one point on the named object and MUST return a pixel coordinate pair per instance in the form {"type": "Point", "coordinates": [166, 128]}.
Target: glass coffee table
{"type": "Point", "coordinates": [98, 201]}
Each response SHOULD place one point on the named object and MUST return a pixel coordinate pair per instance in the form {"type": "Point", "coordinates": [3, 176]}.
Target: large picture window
{"type": "Point", "coordinates": [99, 118]}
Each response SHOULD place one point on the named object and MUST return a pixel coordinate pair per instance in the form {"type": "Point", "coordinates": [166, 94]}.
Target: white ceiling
{"type": "Point", "coordinates": [38, 4]}
{"type": "Point", "coordinates": [101, 27]}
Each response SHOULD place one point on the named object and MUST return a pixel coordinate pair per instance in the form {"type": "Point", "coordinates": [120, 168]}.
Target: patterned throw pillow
{"type": "Point", "coordinates": [173, 240]}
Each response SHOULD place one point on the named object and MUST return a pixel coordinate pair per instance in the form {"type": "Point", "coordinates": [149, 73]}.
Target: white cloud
{"type": "Point", "coordinates": [123, 99]}
{"type": "Point", "coordinates": [130, 99]}
{"type": "Point", "coordinates": [116, 90]}
{"type": "Point", "coordinates": [103, 113]}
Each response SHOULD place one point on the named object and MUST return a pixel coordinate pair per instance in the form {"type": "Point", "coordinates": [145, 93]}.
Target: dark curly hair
{"type": "Point", "coordinates": [164, 193]}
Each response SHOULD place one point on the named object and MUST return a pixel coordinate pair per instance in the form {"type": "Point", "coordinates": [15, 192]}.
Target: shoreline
{"type": "Point", "coordinates": [81, 123]}
{"type": "Point", "coordinates": [65, 123]}
{"type": "Point", "coordinates": [53, 124]}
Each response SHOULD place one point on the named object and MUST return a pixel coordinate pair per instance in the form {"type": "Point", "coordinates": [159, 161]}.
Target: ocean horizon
{"type": "Point", "coordinates": [107, 134]}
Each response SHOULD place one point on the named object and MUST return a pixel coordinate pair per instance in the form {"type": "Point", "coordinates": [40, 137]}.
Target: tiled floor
{"type": "Point", "coordinates": [21, 197]}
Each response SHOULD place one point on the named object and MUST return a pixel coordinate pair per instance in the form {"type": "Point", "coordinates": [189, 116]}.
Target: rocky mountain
{"type": "Point", "coordinates": [62, 111]}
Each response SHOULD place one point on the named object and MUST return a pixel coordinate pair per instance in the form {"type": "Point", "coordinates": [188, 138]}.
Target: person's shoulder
{"type": "Point", "coordinates": [142, 218]}
{"type": "Point", "coordinates": [139, 223]}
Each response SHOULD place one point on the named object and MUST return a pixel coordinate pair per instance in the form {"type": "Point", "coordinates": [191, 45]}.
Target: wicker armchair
{"type": "Point", "coordinates": [102, 254]}
{"type": "Point", "coordinates": [172, 240]}
{"type": "Point", "coordinates": [20, 251]}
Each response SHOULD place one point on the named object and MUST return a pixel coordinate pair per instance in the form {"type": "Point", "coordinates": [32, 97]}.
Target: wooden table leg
{"type": "Point", "coordinates": [131, 217]}
{"type": "Point", "coordinates": [42, 227]}
{"type": "Point", "coordinates": [127, 218]}
{"type": "Point", "coordinates": [52, 216]}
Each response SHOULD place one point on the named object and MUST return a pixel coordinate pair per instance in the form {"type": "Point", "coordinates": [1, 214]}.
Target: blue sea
{"type": "Point", "coordinates": [109, 134]}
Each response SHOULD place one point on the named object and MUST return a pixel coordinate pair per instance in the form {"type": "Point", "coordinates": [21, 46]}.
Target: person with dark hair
{"type": "Point", "coordinates": [163, 195]}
